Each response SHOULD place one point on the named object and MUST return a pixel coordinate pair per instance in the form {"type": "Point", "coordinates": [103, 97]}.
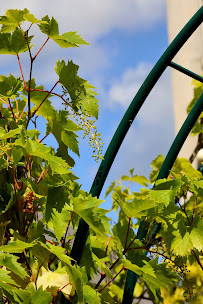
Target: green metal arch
{"type": "Point", "coordinates": [136, 104]}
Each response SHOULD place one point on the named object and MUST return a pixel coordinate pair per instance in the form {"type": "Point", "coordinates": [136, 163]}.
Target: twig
{"type": "Point", "coordinates": [22, 73]}
{"type": "Point", "coordinates": [11, 108]}
{"type": "Point", "coordinates": [63, 287]}
{"type": "Point", "coordinates": [23, 110]}
{"type": "Point", "coordinates": [63, 243]}
{"type": "Point", "coordinates": [112, 279]}
{"type": "Point", "coordinates": [27, 261]}
{"type": "Point", "coordinates": [103, 276]}
{"type": "Point", "coordinates": [197, 259]}
{"type": "Point", "coordinates": [126, 239]}
{"type": "Point", "coordinates": [40, 49]}
{"type": "Point", "coordinates": [43, 100]}
{"type": "Point", "coordinates": [194, 210]}
{"type": "Point", "coordinates": [44, 137]}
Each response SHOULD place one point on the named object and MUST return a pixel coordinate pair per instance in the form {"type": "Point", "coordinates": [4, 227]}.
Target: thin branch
{"type": "Point", "coordinates": [40, 49]}
{"type": "Point", "coordinates": [103, 276]}
{"type": "Point", "coordinates": [64, 240]}
{"type": "Point", "coordinates": [50, 92]}
{"type": "Point", "coordinates": [63, 287]}
{"type": "Point", "coordinates": [11, 108]}
{"type": "Point", "coordinates": [194, 210]}
{"type": "Point", "coordinates": [44, 137]}
{"type": "Point", "coordinates": [42, 265]}
{"type": "Point", "coordinates": [22, 73]}
{"type": "Point", "coordinates": [112, 279]}
{"type": "Point", "coordinates": [183, 209]}
{"type": "Point", "coordinates": [27, 261]}
{"type": "Point", "coordinates": [43, 173]}
{"type": "Point", "coordinates": [197, 259]}
{"type": "Point", "coordinates": [126, 239]}
{"type": "Point", "coordinates": [23, 110]}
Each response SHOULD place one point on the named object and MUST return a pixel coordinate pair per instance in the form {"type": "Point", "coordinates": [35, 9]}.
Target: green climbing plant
{"type": "Point", "coordinates": [41, 202]}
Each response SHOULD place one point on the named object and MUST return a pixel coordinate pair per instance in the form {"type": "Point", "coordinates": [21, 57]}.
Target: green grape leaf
{"type": "Point", "coordinates": [69, 139]}
{"type": "Point", "coordinates": [10, 134]}
{"type": "Point", "coordinates": [49, 28]}
{"type": "Point", "coordinates": [60, 222]}
{"type": "Point", "coordinates": [187, 238]}
{"type": "Point", "coordinates": [5, 277]}
{"type": "Point", "coordinates": [58, 251]}
{"type": "Point", "coordinates": [101, 264]}
{"type": "Point", "coordinates": [10, 86]}
{"type": "Point", "coordinates": [164, 277]}
{"type": "Point", "coordinates": [69, 39]}
{"type": "Point", "coordinates": [22, 296]}
{"type": "Point", "coordinates": [62, 128]}
{"type": "Point", "coordinates": [39, 296]}
{"type": "Point", "coordinates": [136, 207]}
{"type": "Point", "coordinates": [91, 295]}
{"type": "Point", "coordinates": [165, 191]}
{"type": "Point", "coordinates": [10, 262]}
{"type": "Point", "coordinates": [74, 38]}
{"type": "Point", "coordinates": [184, 166]}
{"type": "Point", "coordinates": [16, 246]}
{"type": "Point", "coordinates": [56, 200]}
{"type": "Point", "coordinates": [137, 179]}
{"type": "Point", "coordinates": [95, 217]}
{"type": "Point", "coordinates": [37, 97]}
{"type": "Point", "coordinates": [76, 280]}
{"type": "Point", "coordinates": [133, 267]}
{"type": "Point", "coordinates": [13, 18]}
{"type": "Point", "coordinates": [120, 232]}
{"type": "Point", "coordinates": [34, 148]}
{"type": "Point", "coordinates": [80, 91]}
{"type": "Point", "coordinates": [14, 43]}
{"type": "Point", "coordinates": [156, 165]}
{"type": "Point", "coordinates": [54, 281]}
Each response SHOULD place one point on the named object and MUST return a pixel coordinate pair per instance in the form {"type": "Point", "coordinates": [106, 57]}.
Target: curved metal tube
{"type": "Point", "coordinates": [136, 104]}
{"type": "Point", "coordinates": [163, 173]}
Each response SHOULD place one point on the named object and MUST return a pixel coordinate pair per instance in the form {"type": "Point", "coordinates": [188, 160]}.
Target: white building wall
{"type": "Point", "coordinates": [190, 56]}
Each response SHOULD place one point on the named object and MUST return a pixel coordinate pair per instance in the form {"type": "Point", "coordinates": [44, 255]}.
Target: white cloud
{"type": "Point", "coordinates": [158, 103]}
{"type": "Point", "coordinates": [95, 18]}
{"type": "Point", "coordinates": [152, 131]}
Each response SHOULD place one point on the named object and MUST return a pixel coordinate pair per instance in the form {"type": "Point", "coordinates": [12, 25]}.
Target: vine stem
{"type": "Point", "coordinates": [28, 262]}
{"type": "Point", "coordinates": [48, 93]}
{"type": "Point", "coordinates": [23, 111]}
{"type": "Point", "coordinates": [26, 88]}
{"type": "Point", "coordinates": [40, 49]}
{"type": "Point", "coordinates": [103, 276]}
{"type": "Point", "coordinates": [44, 137]}
{"type": "Point", "coordinates": [183, 209]}
{"type": "Point", "coordinates": [64, 239]}
{"type": "Point", "coordinates": [126, 239]}
{"type": "Point", "coordinates": [194, 210]}
{"type": "Point", "coordinates": [197, 259]}
{"type": "Point", "coordinates": [11, 108]}
{"type": "Point", "coordinates": [69, 104]}
{"type": "Point", "coordinates": [112, 279]}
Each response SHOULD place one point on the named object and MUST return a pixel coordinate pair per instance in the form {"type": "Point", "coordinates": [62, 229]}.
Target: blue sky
{"type": "Point", "coordinates": [127, 38]}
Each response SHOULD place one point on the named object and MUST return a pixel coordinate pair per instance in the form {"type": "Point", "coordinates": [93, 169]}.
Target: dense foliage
{"type": "Point", "coordinates": [41, 202]}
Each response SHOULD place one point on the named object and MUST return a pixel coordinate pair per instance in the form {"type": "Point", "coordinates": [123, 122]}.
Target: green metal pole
{"type": "Point", "coordinates": [137, 102]}
{"type": "Point", "coordinates": [175, 148]}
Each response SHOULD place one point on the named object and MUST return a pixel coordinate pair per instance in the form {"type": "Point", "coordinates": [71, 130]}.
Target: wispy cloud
{"type": "Point", "coordinates": [95, 18]}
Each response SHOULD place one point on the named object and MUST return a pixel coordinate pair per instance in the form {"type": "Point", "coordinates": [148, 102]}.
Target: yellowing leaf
{"type": "Point", "coordinates": [53, 282]}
